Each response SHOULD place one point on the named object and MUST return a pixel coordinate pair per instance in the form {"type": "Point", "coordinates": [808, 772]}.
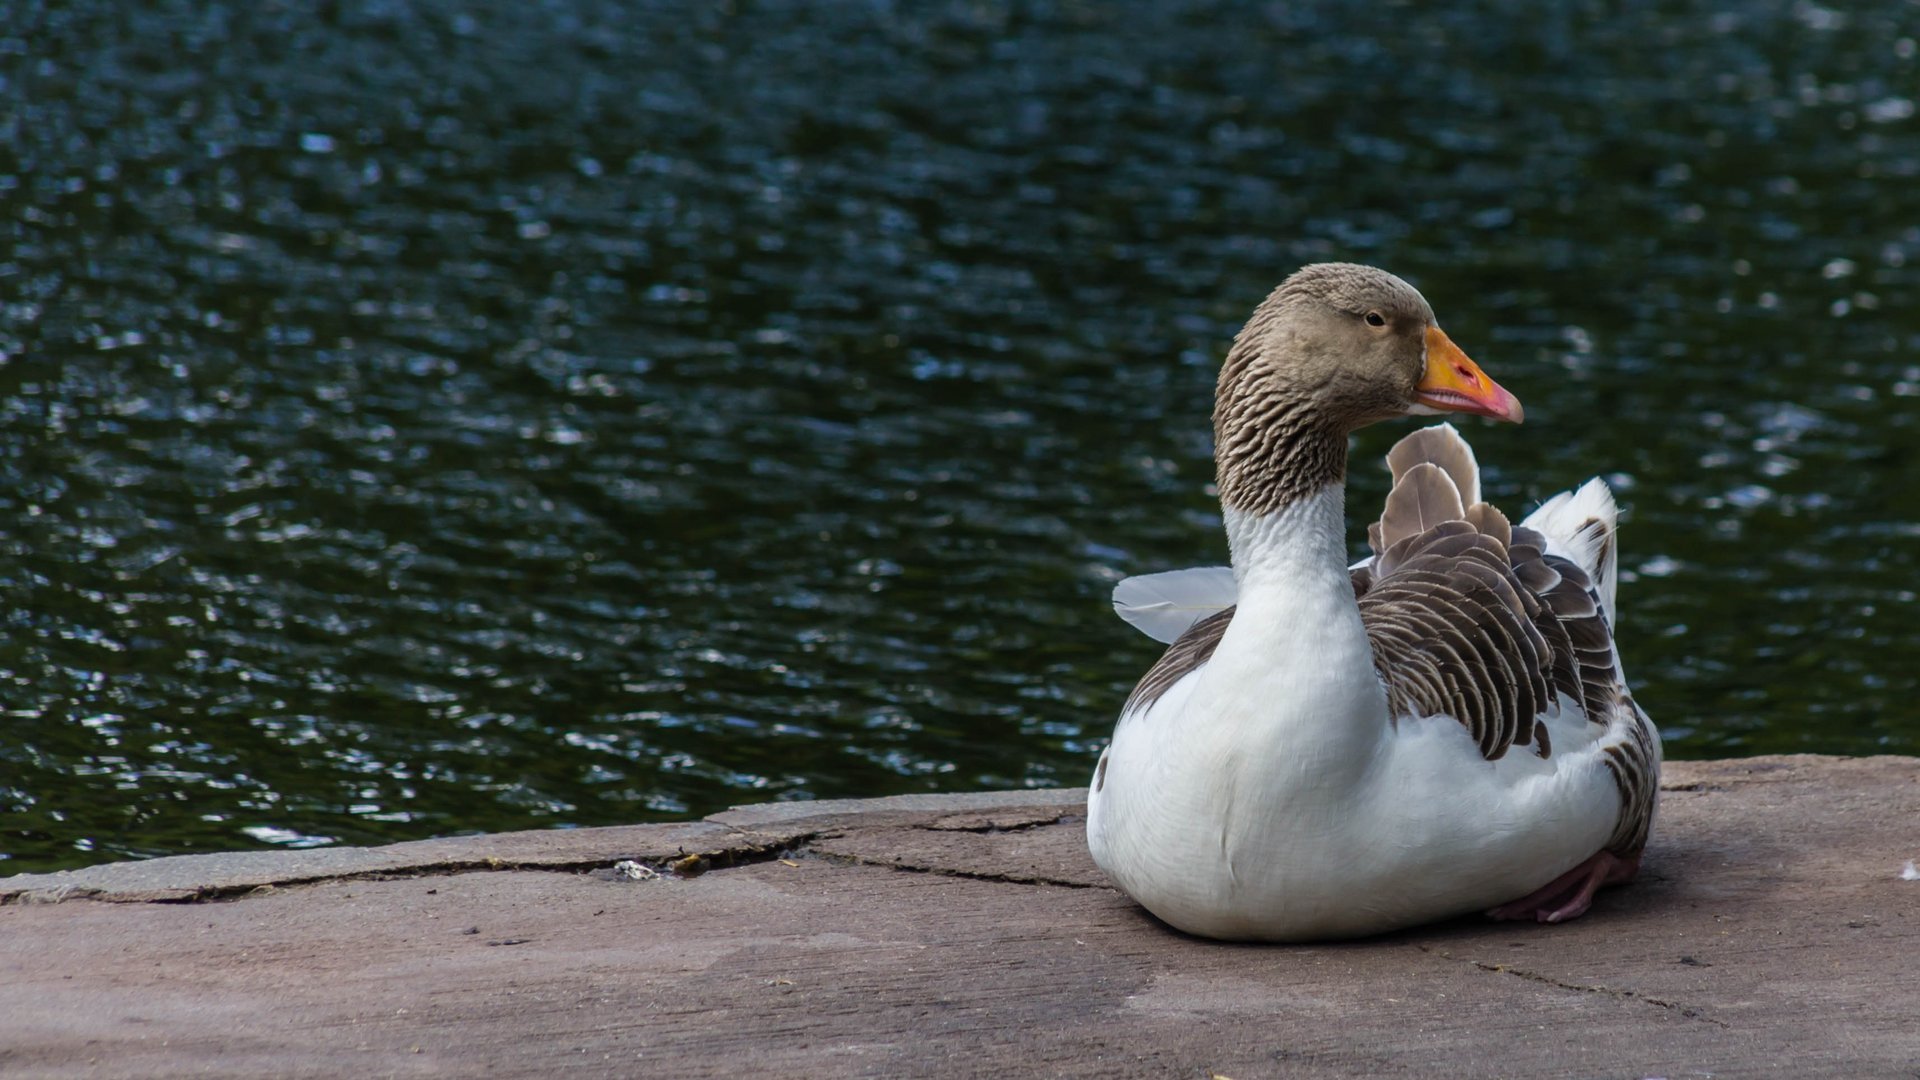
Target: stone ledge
{"type": "Point", "coordinates": [1771, 933]}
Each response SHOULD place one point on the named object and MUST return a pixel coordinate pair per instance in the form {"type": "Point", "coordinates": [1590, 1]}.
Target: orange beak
{"type": "Point", "coordinates": [1453, 383]}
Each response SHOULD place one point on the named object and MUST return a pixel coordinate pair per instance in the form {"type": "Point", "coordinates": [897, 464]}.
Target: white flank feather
{"type": "Point", "coordinates": [1560, 518]}
{"type": "Point", "coordinates": [1163, 606]}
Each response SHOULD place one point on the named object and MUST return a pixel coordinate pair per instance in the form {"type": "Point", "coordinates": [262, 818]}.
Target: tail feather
{"type": "Point", "coordinates": [1580, 525]}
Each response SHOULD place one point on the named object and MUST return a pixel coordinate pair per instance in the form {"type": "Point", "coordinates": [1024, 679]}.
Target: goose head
{"type": "Point", "coordinates": [1335, 348]}
{"type": "Point", "coordinates": [1359, 345]}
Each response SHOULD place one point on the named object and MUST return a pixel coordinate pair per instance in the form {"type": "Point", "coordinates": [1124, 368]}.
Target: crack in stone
{"type": "Point", "coordinates": [943, 871]}
{"type": "Point", "coordinates": [688, 864]}
{"type": "Point", "coordinates": [1686, 1011]}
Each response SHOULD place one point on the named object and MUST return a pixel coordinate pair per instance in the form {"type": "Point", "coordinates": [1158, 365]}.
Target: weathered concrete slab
{"type": "Point", "coordinates": [1771, 934]}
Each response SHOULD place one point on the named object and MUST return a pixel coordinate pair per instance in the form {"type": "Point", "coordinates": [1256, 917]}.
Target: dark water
{"type": "Point", "coordinates": [429, 417]}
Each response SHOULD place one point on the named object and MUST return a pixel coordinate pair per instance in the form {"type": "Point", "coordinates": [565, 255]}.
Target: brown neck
{"type": "Point", "coordinates": [1271, 445]}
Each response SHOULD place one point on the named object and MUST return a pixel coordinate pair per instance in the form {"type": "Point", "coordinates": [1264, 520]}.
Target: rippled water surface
{"type": "Point", "coordinates": [428, 417]}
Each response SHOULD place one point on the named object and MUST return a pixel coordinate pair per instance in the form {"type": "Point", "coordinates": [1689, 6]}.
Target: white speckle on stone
{"type": "Point", "coordinates": [1910, 872]}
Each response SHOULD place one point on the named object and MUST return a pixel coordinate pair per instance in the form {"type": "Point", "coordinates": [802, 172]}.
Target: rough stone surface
{"type": "Point", "coordinates": [1771, 933]}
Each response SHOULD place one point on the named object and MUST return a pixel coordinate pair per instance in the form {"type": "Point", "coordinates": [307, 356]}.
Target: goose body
{"type": "Point", "coordinates": [1329, 750]}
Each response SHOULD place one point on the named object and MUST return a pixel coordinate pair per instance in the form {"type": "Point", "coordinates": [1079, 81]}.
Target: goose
{"type": "Point", "coordinates": [1330, 750]}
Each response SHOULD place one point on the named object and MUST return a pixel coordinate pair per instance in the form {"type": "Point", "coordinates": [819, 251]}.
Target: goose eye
{"type": "Point", "coordinates": [1374, 318]}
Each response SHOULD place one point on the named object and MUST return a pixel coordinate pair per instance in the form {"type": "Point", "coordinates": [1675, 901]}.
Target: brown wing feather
{"type": "Point", "coordinates": [1441, 446]}
{"type": "Point", "coordinates": [1635, 763]}
{"type": "Point", "coordinates": [1423, 497]}
{"type": "Point", "coordinates": [1491, 521]}
{"type": "Point", "coordinates": [1189, 651]}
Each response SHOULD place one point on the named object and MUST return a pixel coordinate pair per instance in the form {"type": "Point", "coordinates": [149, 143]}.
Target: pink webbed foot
{"type": "Point", "coordinates": [1571, 894]}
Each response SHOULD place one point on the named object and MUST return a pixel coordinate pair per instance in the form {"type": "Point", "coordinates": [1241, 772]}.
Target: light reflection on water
{"type": "Point", "coordinates": [426, 419]}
